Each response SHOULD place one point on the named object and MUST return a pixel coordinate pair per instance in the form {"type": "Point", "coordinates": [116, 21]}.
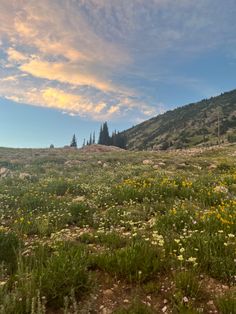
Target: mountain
{"type": "Point", "coordinates": [201, 123]}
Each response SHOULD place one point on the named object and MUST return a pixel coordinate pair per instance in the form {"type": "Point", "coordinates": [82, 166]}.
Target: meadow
{"type": "Point", "coordinates": [119, 232]}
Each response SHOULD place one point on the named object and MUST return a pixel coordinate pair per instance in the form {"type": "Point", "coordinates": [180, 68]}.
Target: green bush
{"type": "Point", "coordinates": [135, 308]}
{"type": "Point", "coordinates": [65, 270]}
{"type": "Point", "coordinates": [227, 303]}
{"type": "Point", "coordinates": [9, 246]}
{"type": "Point", "coordinates": [187, 283]}
{"type": "Point", "coordinates": [135, 263]}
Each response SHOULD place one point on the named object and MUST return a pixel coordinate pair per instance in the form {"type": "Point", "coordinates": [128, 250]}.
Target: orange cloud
{"type": "Point", "coordinates": [65, 73]}
{"type": "Point", "coordinates": [57, 98]}
{"type": "Point", "coordinates": [14, 55]}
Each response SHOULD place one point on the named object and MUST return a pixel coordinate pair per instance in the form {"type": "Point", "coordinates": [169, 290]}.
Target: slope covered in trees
{"type": "Point", "coordinates": [203, 123]}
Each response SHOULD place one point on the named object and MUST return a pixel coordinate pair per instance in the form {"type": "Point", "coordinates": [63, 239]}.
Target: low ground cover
{"type": "Point", "coordinates": [119, 232]}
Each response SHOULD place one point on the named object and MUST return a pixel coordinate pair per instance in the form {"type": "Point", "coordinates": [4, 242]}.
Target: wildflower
{"type": "Point", "coordinates": [180, 257]}
{"type": "Point", "coordinates": [2, 283]}
{"type": "Point", "coordinates": [192, 259]}
{"type": "Point", "coordinates": [185, 299]}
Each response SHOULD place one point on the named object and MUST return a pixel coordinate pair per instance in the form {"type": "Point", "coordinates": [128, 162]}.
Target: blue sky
{"type": "Point", "coordinates": [66, 66]}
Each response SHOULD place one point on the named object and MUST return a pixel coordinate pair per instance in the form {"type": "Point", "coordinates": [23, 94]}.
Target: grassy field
{"type": "Point", "coordinates": [120, 232]}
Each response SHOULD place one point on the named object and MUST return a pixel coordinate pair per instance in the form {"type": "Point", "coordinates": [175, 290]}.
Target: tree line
{"type": "Point", "coordinates": [115, 139]}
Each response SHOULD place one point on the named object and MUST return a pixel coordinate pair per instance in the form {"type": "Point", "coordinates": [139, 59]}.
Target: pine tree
{"type": "Point", "coordinates": [119, 140]}
{"type": "Point", "coordinates": [73, 142]}
{"type": "Point", "coordinates": [104, 137]}
{"type": "Point", "coordinates": [107, 139]}
{"type": "Point", "coordinates": [90, 139]}
{"type": "Point", "coordinates": [94, 138]}
{"type": "Point", "coordinates": [100, 139]}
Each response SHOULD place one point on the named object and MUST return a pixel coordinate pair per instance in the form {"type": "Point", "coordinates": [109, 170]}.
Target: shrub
{"type": "Point", "coordinates": [65, 270]}
{"type": "Point", "coordinates": [135, 263]}
{"type": "Point", "coordinates": [135, 308]}
{"type": "Point", "coordinates": [227, 303]}
{"type": "Point", "coordinates": [81, 214]}
{"type": "Point", "coordinates": [9, 246]}
{"type": "Point", "coordinates": [187, 283]}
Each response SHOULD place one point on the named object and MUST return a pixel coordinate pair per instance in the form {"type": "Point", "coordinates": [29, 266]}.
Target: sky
{"type": "Point", "coordinates": [66, 66]}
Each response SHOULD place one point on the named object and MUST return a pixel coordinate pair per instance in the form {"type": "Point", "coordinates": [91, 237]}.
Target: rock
{"type": "Point", "coordinates": [197, 167]}
{"type": "Point", "coordinates": [71, 163]}
{"type": "Point", "coordinates": [24, 175]}
{"type": "Point", "coordinates": [156, 167]}
{"type": "Point", "coordinates": [164, 309]}
{"type": "Point", "coordinates": [224, 287]}
{"type": "Point", "coordinates": [108, 292]}
{"type": "Point", "coordinates": [79, 199]}
{"type": "Point", "coordinates": [161, 164]}
{"type": "Point", "coordinates": [105, 165]}
{"type": "Point", "coordinates": [148, 162]}
{"type": "Point", "coordinates": [212, 167]}
{"type": "Point", "coordinates": [211, 305]}
{"type": "Point", "coordinates": [4, 172]}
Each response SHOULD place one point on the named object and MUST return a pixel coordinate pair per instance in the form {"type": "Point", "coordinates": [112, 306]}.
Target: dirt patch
{"type": "Point", "coordinates": [97, 148]}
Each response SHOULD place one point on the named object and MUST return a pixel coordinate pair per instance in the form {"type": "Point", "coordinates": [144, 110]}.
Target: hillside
{"type": "Point", "coordinates": [187, 126]}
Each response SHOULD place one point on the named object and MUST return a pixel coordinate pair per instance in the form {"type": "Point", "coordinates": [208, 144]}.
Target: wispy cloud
{"type": "Point", "coordinates": [86, 56]}
{"type": "Point", "coordinates": [66, 73]}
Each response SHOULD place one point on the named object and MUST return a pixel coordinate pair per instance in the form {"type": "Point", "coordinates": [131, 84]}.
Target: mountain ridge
{"type": "Point", "coordinates": [205, 122]}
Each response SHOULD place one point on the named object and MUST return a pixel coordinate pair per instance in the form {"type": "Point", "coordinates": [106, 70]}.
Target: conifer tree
{"type": "Point", "coordinates": [94, 138]}
{"type": "Point", "coordinates": [100, 139]}
{"type": "Point", "coordinates": [104, 137]}
{"type": "Point", "coordinates": [90, 139]}
{"type": "Point", "coordinates": [74, 142]}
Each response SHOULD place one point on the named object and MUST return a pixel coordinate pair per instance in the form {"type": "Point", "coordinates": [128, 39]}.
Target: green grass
{"type": "Point", "coordinates": [135, 263]}
{"type": "Point", "coordinates": [227, 303]}
{"type": "Point", "coordinates": [76, 229]}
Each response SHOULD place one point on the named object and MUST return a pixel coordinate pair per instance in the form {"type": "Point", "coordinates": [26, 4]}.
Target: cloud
{"type": "Point", "coordinates": [96, 57]}
{"type": "Point", "coordinates": [65, 73]}
{"type": "Point", "coordinates": [14, 55]}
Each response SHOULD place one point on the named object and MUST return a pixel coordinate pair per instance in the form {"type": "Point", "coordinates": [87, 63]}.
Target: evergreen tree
{"type": "Point", "coordinates": [84, 142]}
{"type": "Point", "coordinates": [73, 142]}
{"type": "Point", "coordinates": [104, 137]}
{"type": "Point", "coordinates": [119, 140]}
{"type": "Point", "coordinates": [94, 138]}
{"type": "Point", "coordinates": [100, 139]}
{"type": "Point", "coordinates": [90, 139]}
